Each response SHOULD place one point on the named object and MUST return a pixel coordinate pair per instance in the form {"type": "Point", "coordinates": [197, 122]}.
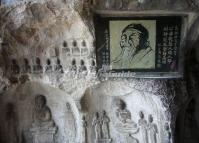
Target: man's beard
{"type": "Point", "coordinates": [130, 49]}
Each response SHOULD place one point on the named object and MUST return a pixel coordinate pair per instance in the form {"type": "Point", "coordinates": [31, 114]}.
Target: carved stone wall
{"type": "Point", "coordinates": [49, 86]}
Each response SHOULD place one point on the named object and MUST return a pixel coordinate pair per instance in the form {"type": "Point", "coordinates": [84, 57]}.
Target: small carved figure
{"type": "Point", "coordinates": [97, 126]}
{"type": "Point", "coordinates": [74, 66]}
{"type": "Point", "coordinates": [105, 125]}
{"type": "Point", "coordinates": [93, 66]}
{"type": "Point", "coordinates": [84, 132]}
{"type": "Point", "coordinates": [27, 68]}
{"type": "Point", "coordinates": [86, 6]}
{"type": "Point", "coordinates": [48, 66]}
{"type": "Point", "coordinates": [107, 4]}
{"type": "Point", "coordinates": [38, 68]}
{"type": "Point", "coordinates": [141, 1]}
{"type": "Point", "coordinates": [153, 130]}
{"type": "Point", "coordinates": [121, 4]}
{"type": "Point", "coordinates": [15, 67]}
{"type": "Point", "coordinates": [42, 114]}
{"type": "Point", "coordinates": [70, 123]}
{"type": "Point", "coordinates": [167, 134]}
{"type": "Point", "coordinates": [59, 67]}
{"type": "Point", "coordinates": [143, 128]}
{"type": "Point", "coordinates": [82, 67]}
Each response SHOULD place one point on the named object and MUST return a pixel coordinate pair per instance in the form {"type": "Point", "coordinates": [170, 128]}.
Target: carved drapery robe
{"type": "Point", "coordinates": [105, 127]}
{"type": "Point", "coordinates": [152, 131]}
{"type": "Point", "coordinates": [143, 130]}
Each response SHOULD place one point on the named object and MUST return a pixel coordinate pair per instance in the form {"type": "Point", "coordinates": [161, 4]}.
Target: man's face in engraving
{"type": "Point", "coordinates": [130, 39]}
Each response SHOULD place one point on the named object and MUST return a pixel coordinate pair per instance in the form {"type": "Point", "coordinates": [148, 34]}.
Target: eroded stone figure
{"type": "Point", "coordinates": [93, 67]}
{"type": "Point", "coordinates": [167, 136]}
{"type": "Point", "coordinates": [105, 125]}
{"type": "Point", "coordinates": [27, 67]}
{"type": "Point", "coordinates": [107, 4]}
{"type": "Point", "coordinates": [15, 69]}
{"type": "Point", "coordinates": [37, 67]}
{"type": "Point", "coordinates": [84, 131]}
{"type": "Point", "coordinates": [49, 68]}
{"type": "Point", "coordinates": [121, 4]}
{"type": "Point", "coordinates": [43, 127]}
{"type": "Point", "coordinates": [42, 114]}
{"type": "Point", "coordinates": [97, 127]}
{"type": "Point", "coordinates": [73, 68]}
{"type": "Point", "coordinates": [82, 67]}
{"type": "Point", "coordinates": [59, 67]}
{"type": "Point", "coordinates": [70, 125]}
{"type": "Point", "coordinates": [143, 128]}
{"type": "Point", "coordinates": [152, 130]}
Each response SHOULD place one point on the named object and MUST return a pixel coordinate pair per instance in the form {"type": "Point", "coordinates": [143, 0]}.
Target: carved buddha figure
{"type": "Point", "coordinates": [15, 69]}
{"type": "Point", "coordinates": [124, 123]}
{"type": "Point", "coordinates": [38, 68]}
{"type": "Point", "coordinates": [42, 114]}
{"type": "Point", "coordinates": [122, 113]}
{"type": "Point", "coordinates": [49, 66]}
{"type": "Point", "coordinates": [59, 67]}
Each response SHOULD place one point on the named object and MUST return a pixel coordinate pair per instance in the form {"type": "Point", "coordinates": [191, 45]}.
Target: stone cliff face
{"type": "Point", "coordinates": [49, 85]}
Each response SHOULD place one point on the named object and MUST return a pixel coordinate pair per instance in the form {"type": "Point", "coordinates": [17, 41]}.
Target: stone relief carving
{"type": "Point", "coordinates": [101, 127]}
{"type": "Point", "coordinates": [15, 69]}
{"type": "Point", "coordinates": [70, 125]}
{"type": "Point", "coordinates": [167, 137]}
{"type": "Point", "coordinates": [105, 125]}
{"type": "Point", "coordinates": [143, 128]}
{"type": "Point", "coordinates": [49, 68]}
{"type": "Point", "coordinates": [58, 67]}
{"type": "Point", "coordinates": [152, 130]}
{"type": "Point", "coordinates": [97, 127]}
{"type": "Point", "coordinates": [124, 122]}
{"type": "Point", "coordinates": [27, 67]}
{"type": "Point", "coordinates": [43, 128]}
{"type": "Point", "coordinates": [84, 131]}
{"type": "Point", "coordinates": [37, 68]}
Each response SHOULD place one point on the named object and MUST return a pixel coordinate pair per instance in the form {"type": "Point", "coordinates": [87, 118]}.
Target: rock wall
{"type": "Point", "coordinates": [50, 90]}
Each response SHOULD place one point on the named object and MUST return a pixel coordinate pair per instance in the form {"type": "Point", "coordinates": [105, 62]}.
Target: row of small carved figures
{"type": "Point", "coordinates": [128, 4]}
{"type": "Point", "coordinates": [121, 4]}
{"type": "Point", "coordinates": [38, 68]}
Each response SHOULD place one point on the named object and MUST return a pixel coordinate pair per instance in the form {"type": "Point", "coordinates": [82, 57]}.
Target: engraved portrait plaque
{"type": "Point", "coordinates": [139, 46]}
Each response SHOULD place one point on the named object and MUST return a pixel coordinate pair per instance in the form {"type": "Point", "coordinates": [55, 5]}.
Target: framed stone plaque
{"type": "Point", "coordinates": [140, 46]}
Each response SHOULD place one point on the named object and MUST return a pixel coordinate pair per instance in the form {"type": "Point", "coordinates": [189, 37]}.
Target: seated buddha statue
{"type": "Point", "coordinates": [42, 114]}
